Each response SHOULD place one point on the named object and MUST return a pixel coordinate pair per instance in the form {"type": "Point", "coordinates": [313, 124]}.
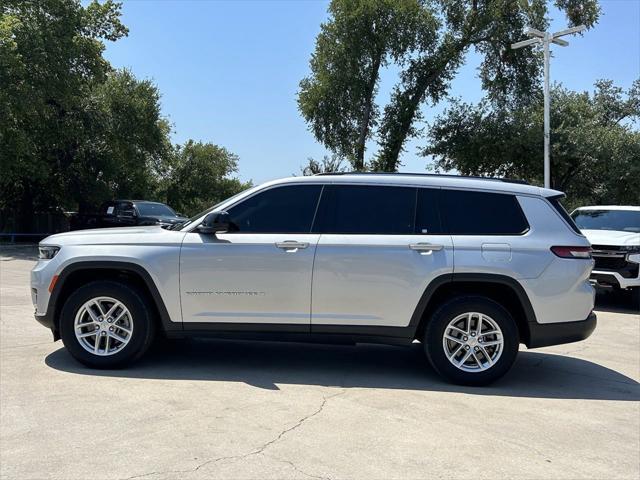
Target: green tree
{"type": "Point", "coordinates": [337, 99]}
{"type": "Point", "coordinates": [595, 142]}
{"type": "Point", "coordinates": [328, 164]}
{"type": "Point", "coordinates": [447, 31]}
{"type": "Point", "coordinates": [50, 58]}
{"type": "Point", "coordinates": [75, 132]}
{"type": "Point", "coordinates": [199, 176]}
{"type": "Point", "coordinates": [118, 145]}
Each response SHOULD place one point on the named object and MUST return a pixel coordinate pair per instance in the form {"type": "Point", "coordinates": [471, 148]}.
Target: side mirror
{"type": "Point", "coordinates": [215, 222]}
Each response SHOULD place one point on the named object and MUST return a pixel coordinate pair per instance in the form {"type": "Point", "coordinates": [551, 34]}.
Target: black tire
{"type": "Point", "coordinates": [142, 319]}
{"type": "Point", "coordinates": [435, 330]}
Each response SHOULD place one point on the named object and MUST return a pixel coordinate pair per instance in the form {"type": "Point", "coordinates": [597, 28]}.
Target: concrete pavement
{"type": "Point", "coordinates": [222, 409]}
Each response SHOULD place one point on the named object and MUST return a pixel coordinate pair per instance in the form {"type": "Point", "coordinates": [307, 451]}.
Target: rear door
{"type": "Point", "coordinates": [380, 248]}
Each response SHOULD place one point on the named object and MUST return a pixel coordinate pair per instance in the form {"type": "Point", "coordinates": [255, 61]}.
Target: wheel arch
{"type": "Point", "coordinates": [505, 290]}
{"type": "Point", "coordinates": [80, 273]}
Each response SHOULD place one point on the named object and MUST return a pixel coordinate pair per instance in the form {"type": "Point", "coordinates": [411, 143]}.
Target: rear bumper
{"type": "Point", "coordinates": [543, 335]}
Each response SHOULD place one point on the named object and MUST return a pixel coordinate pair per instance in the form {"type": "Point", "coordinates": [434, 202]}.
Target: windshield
{"type": "Point", "coordinates": [152, 209]}
{"type": "Point", "coordinates": [622, 220]}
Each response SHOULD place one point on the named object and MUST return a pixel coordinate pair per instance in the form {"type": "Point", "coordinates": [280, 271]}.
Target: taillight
{"type": "Point", "coordinates": [572, 252]}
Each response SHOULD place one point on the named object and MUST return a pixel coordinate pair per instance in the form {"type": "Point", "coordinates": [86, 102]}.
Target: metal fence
{"type": "Point", "coordinates": [41, 226]}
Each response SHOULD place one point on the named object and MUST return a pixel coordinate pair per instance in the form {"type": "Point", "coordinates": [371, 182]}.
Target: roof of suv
{"type": "Point", "coordinates": [451, 181]}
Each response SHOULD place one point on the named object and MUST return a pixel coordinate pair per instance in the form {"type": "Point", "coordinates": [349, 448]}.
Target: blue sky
{"type": "Point", "coordinates": [229, 71]}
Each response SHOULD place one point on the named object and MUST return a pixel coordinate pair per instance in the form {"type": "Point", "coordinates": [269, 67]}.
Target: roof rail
{"type": "Point", "coordinates": [492, 179]}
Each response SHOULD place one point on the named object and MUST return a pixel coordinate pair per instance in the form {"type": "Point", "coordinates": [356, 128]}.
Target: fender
{"type": "Point", "coordinates": [53, 307]}
{"type": "Point", "coordinates": [504, 280]}
{"type": "Point", "coordinates": [470, 278]}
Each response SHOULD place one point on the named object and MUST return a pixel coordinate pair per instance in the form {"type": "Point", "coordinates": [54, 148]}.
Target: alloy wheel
{"type": "Point", "coordinates": [103, 326]}
{"type": "Point", "coordinates": [473, 342]}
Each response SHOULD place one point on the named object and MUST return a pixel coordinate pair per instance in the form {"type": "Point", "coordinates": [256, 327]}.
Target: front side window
{"type": "Point", "coordinates": [483, 213]}
{"type": "Point", "coordinates": [365, 209]}
{"type": "Point", "coordinates": [288, 209]}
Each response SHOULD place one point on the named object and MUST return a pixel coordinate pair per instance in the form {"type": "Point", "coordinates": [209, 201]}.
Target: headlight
{"type": "Point", "coordinates": [47, 252]}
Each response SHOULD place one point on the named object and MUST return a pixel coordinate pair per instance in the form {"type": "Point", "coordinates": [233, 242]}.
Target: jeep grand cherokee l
{"type": "Point", "coordinates": [469, 267]}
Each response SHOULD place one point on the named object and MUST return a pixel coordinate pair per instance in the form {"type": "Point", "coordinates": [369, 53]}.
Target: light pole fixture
{"type": "Point", "coordinates": [546, 38]}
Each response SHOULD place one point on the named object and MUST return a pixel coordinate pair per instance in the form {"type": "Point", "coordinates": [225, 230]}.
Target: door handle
{"type": "Point", "coordinates": [291, 245]}
{"type": "Point", "coordinates": [425, 247]}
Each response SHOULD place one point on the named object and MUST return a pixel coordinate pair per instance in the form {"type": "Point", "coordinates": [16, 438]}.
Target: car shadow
{"type": "Point", "coordinates": [618, 301]}
{"type": "Point", "coordinates": [268, 364]}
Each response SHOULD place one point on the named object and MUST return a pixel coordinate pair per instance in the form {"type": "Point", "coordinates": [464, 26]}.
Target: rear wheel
{"type": "Point", "coordinates": [106, 324]}
{"type": "Point", "coordinates": [471, 340]}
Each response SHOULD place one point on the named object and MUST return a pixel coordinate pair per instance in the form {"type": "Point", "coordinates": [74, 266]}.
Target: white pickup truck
{"type": "Point", "coordinates": [614, 233]}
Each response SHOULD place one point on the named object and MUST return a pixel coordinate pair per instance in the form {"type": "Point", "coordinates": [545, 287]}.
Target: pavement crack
{"type": "Point", "coordinates": [297, 425]}
{"type": "Point", "coordinates": [256, 451]}
{"type": "Point", "coordinates": [298, 469]}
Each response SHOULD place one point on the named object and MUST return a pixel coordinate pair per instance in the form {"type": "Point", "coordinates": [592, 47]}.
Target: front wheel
{"type": "Point", "coordinates": [106, 324]}
{"type": "Point", "coordinates": [471, 340]}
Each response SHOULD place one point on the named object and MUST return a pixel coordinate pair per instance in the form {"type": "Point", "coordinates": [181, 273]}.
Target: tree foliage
{"type": "Point", "coordinates": [328, 164]}
{"type": "Point", "coordinates": [50, 57]}
{"type": "Point", "coordinates": [337, 103]}
{"type": "Point", "coordinates": [360, 39]}
{"type": "Point", "coordinates": [595, 142]}
{"type": "Point", "coordinates": [199, 176]}
{"type": "Point", "coordinates": [74, 131]}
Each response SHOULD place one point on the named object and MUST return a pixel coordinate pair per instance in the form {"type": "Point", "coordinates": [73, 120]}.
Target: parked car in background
{"type": "Point", "coordinates": [128, 213]}
{"type": "Point", "coordinates": [614, 233]}
{"type": "Point", "coordinates": [380, 248]}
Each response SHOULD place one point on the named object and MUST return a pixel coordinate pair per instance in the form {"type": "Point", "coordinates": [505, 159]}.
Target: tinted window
{"type": "Point", "coordinates": [369, 209]}
{"type": "Point", "coordinates": [150, 209]}
{"type": "Point", "coordinates": [279, 210]}
{"type": "Point", "coordinates": [428, 212]}
{"type": "Point", "coordinates": [482, 213]}
{"type": "Point", "coordinates": [125, 209]}
{"type": "Point", "coordinates": [620, 220]}
{"type": "Point", "coordinates": [557, 204]}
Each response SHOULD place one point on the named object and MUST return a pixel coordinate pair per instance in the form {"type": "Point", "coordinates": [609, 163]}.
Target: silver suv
{"type": "Point", "coordinates": [470, 267]}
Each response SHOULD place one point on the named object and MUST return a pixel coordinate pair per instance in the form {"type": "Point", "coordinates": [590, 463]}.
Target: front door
{"type": "Point", "coordinates": [259, 273]}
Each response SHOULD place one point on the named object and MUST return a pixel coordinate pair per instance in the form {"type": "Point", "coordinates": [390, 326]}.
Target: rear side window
{"type": "Point", "coordinates": [289, 209]}
{"type": "Point", "coordinates": [364, 209]}
{"type": "Point", "coordinates": [482, 213]}
{"type": "Point", "coordinates": [428, 212]}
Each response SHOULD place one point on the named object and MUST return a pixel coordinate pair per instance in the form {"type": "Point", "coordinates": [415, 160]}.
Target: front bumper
{"type": "Point", "coordinates": [45, 320]}
{"type": "Point", "coordinates": [606, 278]}
{"type": "Point", "coordinates": [544, 335]}
{"type": "Point", "coordinates": [615, 267]}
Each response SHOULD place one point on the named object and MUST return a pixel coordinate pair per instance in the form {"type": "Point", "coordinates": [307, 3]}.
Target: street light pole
{"type": "Point", "coordinates": [547, 115]}
{"type": "Point", "coordinates": [546, 38]}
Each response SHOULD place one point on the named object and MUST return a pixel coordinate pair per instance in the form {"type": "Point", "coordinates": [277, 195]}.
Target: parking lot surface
{"type": "Point", "coordinates": [222, 409]}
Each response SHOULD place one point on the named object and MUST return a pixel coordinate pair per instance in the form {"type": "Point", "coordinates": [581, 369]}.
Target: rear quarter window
{"type": "Point", "coordinates": [556, 203]}
{"type": "Point", "coordinates": [482, 213]}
